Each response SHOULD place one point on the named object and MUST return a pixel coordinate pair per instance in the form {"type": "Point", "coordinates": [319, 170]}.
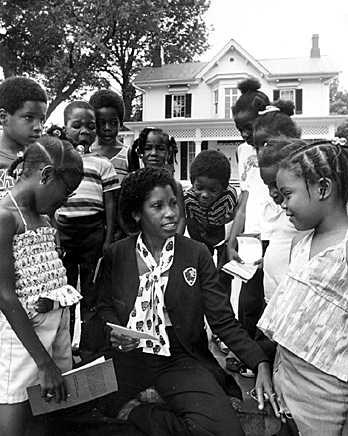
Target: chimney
{"type": "Point", "coordinates": [315, 50]}
{"type": "Point", "coordinates": [157, 56]}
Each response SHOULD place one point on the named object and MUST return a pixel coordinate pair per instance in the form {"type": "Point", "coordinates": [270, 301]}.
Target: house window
{"type": "Point", "coordinates": [292, 94]}
{"type": "Point", "coordinates": [178, 105]}
{"type": "Point", "coordinates": [216, 101]}
{"type": "Point", "coordinates": [287, 94]}
{"type": "Point", "coordinates": [231, 96]}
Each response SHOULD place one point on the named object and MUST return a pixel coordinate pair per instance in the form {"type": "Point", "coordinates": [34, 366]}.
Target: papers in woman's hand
{"type": "Point", "coordinates": [250, 251]}
{"type": "Point", "coordinates": [119, 330]}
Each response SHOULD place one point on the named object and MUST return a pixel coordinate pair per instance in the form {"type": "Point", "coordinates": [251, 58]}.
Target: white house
{"type": "Point", "coordinates": [192, 101]}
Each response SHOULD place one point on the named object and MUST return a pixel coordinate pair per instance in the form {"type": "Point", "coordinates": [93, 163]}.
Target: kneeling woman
{"type": "Point", "coordinates": [163, 283]}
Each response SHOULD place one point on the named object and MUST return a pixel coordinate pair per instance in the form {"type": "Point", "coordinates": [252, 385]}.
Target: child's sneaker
{"type": "Point", "coordinates": [127, 408]}
{"type": "Point", "coordinates": [246, 372]}
{"type": "Point", "coordinates": [221, 345]}
{"type": "Point", "coordinates": [233, 364]}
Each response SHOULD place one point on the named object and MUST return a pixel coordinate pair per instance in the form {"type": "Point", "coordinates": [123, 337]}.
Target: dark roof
{"type": "Point", "coordinates": [281, 66]}
{"type": "Point", "coordinates": [185, 71]}
{"type": "Point", "coordinates": [303, 65]}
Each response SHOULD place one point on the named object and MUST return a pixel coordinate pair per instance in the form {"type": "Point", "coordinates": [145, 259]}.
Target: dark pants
{"type": "Point", "coordinates": [252, 300]}
{"type": "Point", "coordinates": [195, 404]}
{"type": "Point", "coordinates": [82, 240]}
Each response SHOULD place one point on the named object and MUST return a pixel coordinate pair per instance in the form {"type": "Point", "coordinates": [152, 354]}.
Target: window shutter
{"type": "Point", "coordinates": [276, 94]}
{"type": "Point", "coordinates": [168, 109]}
{"type": "Point", "coordinates": [188, 105]}
{"type": "Point", "coordinates": [183, 160]}
{"type": "Point", "coordinates": [298, 101]}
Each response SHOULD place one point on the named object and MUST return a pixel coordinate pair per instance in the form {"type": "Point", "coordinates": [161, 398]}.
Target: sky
{"type": "Point", "coordinates": [279, 28]}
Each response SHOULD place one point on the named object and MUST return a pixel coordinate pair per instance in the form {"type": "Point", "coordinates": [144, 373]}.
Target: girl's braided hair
{"type": "Point", "coordinates": [138, 146]}
{"type": "Point", "coordinates": [278, 122]}
{"type": "Point", "coordinates": [251, 99]}
{"type": "Point", "coordinates": [49, 150]}
{"type": "Point", "coordinates": [320, 159]}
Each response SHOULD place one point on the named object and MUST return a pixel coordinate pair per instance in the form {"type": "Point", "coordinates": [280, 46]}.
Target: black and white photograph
{"type": "Point", "coordinates": [173, 218]}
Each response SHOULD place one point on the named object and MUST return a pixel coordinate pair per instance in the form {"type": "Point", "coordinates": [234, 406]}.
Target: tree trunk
{"type": "Point", "coordinates": [54, 104]}
{"type": "Point", "coordinates": [62, 96]}
{"type": "Point", "coordinates": [128, 94]}
{"type": "Point", "coordinates": [5, 63]}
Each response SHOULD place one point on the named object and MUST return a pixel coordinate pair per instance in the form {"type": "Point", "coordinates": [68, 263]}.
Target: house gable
{"type": "Point", "coordinates": [232, 60]}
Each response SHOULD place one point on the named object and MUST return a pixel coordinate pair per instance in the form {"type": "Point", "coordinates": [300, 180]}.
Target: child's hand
{"type": "Point", "coordinates": [44, 305]}
{"type": "Point", "coordinates": [52, 383]}
{"type": "Point", "coordinates": [259, 263]}
{"type": "Point", "coordinates": [264, 388]}
{"type": "Point", "coordinates": [233, 255]}
{"type": "Point", "coordinates": [61, 252]}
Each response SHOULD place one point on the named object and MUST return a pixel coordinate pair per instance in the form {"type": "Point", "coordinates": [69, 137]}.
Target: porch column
{"type": "Point", "coordinates": [198, 147]}
{"type": "Point", "coordinates": [332, 130]}
{"type": "Point", "coordinates": [128, 138]}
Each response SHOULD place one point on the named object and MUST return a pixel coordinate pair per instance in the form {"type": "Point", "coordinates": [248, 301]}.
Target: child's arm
{"type": "Point", "coordinates": [50, 376]}
{"type": "Point", "coordinates": [109, 205]}
{"type": "Point", "coordinates": [181, 204]}
{"type": "Point", "coordinates": [237, 226]}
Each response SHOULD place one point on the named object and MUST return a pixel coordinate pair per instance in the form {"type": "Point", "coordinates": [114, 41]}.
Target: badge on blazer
{"type": "Point", "coordinates": [190, 275]}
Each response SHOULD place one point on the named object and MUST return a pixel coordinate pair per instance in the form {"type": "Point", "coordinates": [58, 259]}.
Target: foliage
{"type": "Point", "coordinates": [338, 99]}
{"type": "Point", "coordinates": [73, 44]}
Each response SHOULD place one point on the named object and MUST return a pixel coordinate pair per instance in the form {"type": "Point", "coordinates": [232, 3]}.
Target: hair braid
{"type": "Point", "coordinates": [318, 160]}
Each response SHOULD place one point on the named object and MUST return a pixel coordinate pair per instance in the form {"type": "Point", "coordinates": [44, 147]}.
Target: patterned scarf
{"type": "Point", "coordinates": [148, 311]}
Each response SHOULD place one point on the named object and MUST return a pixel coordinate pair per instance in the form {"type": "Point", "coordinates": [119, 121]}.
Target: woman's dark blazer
{"type": "Point", "coordinates": [193, 290]}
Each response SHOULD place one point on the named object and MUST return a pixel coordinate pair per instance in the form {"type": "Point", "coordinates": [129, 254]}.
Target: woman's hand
{"type": "Point", "coordinates": [52, 382]}
{"type": "Point", "coordinates": [264, 388]}
{"type": "Point", "coordinates": [122, 342]}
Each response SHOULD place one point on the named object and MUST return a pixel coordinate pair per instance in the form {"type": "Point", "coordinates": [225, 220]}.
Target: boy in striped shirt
{"type": "Point", "coordinates": [210, 203]}
{"type": "Point", "coordinates": [86, 221]}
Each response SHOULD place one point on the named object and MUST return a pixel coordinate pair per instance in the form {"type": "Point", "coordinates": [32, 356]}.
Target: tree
{"type": "Point", "coordinates": [338, 99]}
{"type": "Point", "coordinates": [176, 26]}
{"type": "Point", "coordinates": [73, 44]}
{"type": "Point", "coordinates": [54, 42]}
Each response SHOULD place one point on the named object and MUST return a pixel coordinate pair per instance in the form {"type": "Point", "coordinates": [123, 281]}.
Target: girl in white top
{"type": "Point", "coordinates": [308, 314]}
{"type": "Point", "coordinates": [34, 295]}
{"type": "Point", "coordinates": [282, 231]}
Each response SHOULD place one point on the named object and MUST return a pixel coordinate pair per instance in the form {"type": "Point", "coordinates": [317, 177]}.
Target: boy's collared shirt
{"type": "Point", "coordinates": [218, 214]}
{"type": "Point", "coordinates": [99, 177]}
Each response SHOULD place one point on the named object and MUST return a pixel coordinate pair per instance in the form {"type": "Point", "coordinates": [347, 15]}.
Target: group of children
{"type": "Point", "coordinates": [293, 196]}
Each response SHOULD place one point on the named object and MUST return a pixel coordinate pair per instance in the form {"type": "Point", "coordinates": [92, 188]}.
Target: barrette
{"type": "Point", "coordinates": [342, 142]}
{"type": "Point", "coordinates": [269, 108]}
